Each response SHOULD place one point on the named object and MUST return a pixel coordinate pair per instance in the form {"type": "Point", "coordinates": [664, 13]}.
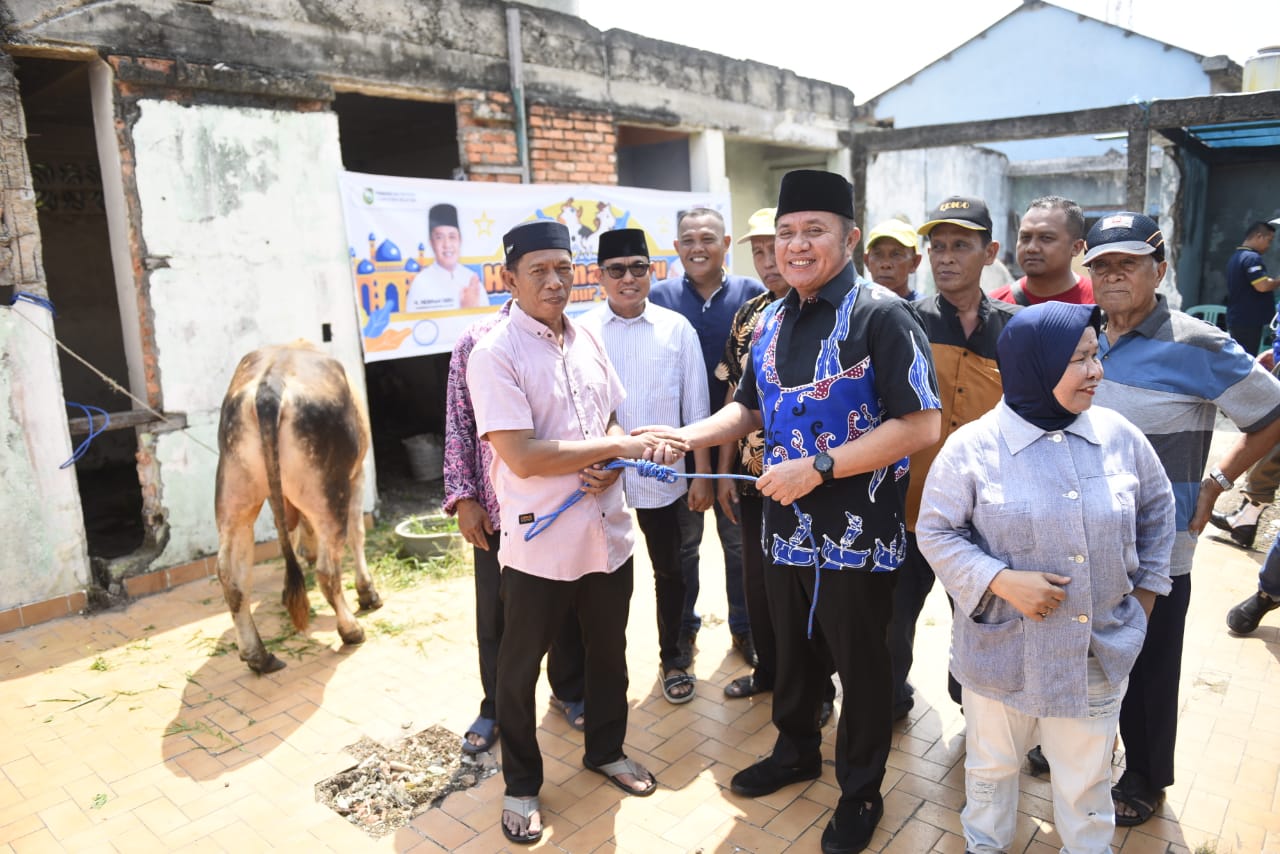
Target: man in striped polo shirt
{"type": "Point", "coordinates": [657, 355]}
{"type": "Point", "coordinates": [1169, 374]}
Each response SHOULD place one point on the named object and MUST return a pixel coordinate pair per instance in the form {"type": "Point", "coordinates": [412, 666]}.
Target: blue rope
{"type": "Point", "coordinates": [34, 299]}
{"type": "Point", "coordinates": [94, 433]}
{"type": "Point", "coordinates": [666, 474]}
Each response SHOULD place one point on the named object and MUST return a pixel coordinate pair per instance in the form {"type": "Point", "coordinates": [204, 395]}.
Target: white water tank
{"type": "Point", "coordinates": [1262, 70]}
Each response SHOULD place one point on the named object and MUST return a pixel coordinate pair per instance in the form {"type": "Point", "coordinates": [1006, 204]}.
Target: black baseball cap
{"type": "Point", "coordinates": [964, 211]}
{"type": "Point", "coordinates": [1126, 232]}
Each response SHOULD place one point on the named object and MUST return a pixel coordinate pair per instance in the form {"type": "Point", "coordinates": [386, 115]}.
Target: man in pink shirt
{"type": "Point", "coordinates": [1050, 235]}
{"type": "Point", "coordinates": [544, 395]}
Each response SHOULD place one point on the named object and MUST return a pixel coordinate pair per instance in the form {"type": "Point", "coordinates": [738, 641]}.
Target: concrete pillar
{"type": "Point", "coordinates": [46, 556]}
{"type": "Point", "coordinates": [707, 173]}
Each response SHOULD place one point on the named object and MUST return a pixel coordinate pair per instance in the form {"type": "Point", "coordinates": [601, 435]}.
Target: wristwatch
{"type": "Point", "coordinates": [1216, 475]}
{"type": "Point", "coordinates": [825, 466]}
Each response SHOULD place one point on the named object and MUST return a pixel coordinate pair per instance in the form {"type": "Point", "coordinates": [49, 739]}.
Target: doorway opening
{"type": "Point", "coordinates": [412, 139]}
{"type": "Point", "coordinates": [72, 218]}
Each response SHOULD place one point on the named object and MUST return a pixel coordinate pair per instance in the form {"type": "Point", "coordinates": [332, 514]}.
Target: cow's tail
{"type": "Point", "coordinates": [267, 403]}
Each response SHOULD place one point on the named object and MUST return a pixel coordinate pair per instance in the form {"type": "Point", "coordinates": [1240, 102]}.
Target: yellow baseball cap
{"type": "Point", "coordinates": [760, 224]}
{"type": "Point", "coordinates": [894, 229]}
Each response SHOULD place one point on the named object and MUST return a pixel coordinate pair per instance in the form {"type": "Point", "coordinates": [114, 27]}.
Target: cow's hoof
{"type": "Point", "coordinates": [370, 601]}
{"type": "Point", "coordinates": [351, 638]}
{"type": "Point", "coordinates": [270, 664]}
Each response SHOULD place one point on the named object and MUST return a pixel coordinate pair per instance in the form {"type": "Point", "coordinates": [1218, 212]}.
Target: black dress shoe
{"type": "Point", "coordinates": [767, 777]}
{"type": "Point", "coordinates": [1244, 534]}
{"type": "Point", "coordinates": [1035, 758]}
{"type": "Point", "coordinates": [1245, 617]}
{"type": "Point", "coordinates": [1221, 521]}
{"type": "Point", "coordinates": [851, 827]}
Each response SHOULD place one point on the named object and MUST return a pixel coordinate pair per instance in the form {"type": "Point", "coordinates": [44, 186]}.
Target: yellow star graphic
{"type": "Point", "coordinates": [484, 225]}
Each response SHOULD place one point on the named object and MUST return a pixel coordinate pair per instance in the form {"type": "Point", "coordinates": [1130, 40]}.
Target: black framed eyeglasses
{"type": "Point", "coordinates": [635, 268]}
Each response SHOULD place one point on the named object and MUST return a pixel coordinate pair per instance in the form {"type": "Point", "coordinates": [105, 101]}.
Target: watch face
{"type": "Point", "coordinates": [823, 463]}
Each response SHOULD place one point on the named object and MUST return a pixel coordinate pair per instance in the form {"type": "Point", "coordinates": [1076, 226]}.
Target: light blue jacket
{"type": "Point", "coordinates": [1091, 502]}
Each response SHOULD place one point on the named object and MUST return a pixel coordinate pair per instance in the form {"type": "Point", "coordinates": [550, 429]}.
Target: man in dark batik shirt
{"type": "Point", "coordinates": [841, 381]}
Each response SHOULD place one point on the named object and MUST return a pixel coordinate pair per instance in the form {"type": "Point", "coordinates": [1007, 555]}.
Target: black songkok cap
{"type": "Point", "coordinates": [532, 236]}
{"type": "Point", "coordinates": [442, 215]}
{"type": "Point", "coordinates": [812, 190]}
{"type": "Point", "coordinates": [622, 243]}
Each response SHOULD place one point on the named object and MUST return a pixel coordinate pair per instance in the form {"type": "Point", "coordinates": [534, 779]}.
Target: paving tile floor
{"type": "Point", "coordinates": [135, 730]}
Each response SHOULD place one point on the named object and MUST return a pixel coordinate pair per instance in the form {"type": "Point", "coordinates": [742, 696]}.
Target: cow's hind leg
{"type": "Point", "coordinates": [235, 572]}
{"type": "Point", "coordinates": [329, 580]}
{"type": "Point", "coordinates": [365, 591]}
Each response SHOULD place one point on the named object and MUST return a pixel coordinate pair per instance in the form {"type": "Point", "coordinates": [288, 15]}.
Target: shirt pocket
{"type": "Point", "coordinates": [1006, 531]}
{"type": "Point", "coordinates": [991, 654]}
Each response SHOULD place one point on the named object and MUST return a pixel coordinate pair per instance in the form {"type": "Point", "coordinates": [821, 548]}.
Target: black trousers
{"type": "Point", "coordinates": [915, 580]}
{"type": "Point", "coordinates": [1149, 713]}
{"type": "Point", "coordinates": [565, 663]}
{"type": "Point", "coordinates": [750, 512]}
{"type": "Point", "coordinates": [853, 610]}
{"type": "Point", "coordinates": [661, 528]}
{"type": "Point", "coordinates": [534, 610]}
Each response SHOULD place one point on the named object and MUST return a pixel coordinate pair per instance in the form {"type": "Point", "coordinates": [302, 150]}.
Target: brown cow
{"type": "Point", "coordinates": [291, 433]}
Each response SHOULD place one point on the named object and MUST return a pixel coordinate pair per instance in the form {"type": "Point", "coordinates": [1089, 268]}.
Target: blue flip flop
{"type": "Point", "coordinates": [572, 711]}
{"type": "Point", "coordinates": [487, 729]}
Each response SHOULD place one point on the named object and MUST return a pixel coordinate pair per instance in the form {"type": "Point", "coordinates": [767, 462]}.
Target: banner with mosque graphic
{"type": "Point", "coordinates": [426, 255]}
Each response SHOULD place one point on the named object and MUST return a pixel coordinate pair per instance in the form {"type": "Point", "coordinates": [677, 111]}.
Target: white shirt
{"type": "Point", "coordinates": [438, 289]}
{"type": "Point", "coordinates": [659, 359]}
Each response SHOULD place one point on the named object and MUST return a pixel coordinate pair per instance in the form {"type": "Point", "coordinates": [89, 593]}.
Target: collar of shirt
{"type": "Point", "coordinates": [526, 324]}
{"type": "Point", "coordinates": [1148, 328]}
{"type": "Point", "coordinates": [646, 315]}
{"type": "Point", "coordinates": [693, 289]}
{"type": "Point", "coordinates": [1020, 433]}
{"type": "Point", "coordinates": [833, 291]}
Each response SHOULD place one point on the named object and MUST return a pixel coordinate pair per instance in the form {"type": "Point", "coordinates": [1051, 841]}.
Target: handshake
{"type": "Point", "coordinates": [658, 443]}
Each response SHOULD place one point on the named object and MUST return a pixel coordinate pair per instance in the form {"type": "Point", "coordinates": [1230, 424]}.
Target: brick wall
{"type": "Point", "coordinates": [572, 146]}
{"type": "Point", "coordinates": [487, 137]}
{"type": "Point", "coordinates": [21, 264]}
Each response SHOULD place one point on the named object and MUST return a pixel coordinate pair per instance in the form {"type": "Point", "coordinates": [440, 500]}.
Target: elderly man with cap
{"type": "Point", "coordinates": [545, 397]}
{"type": "Point", "coordinates": [962, 325]}
{"type": "Point", "coordinates": [446, 284]}
{"type": "Point", "coordinates": [840, 380]}
{"type": "Point", "coordinates": [1170, 375]}
{"type": "Point", "coordinates": [739, 499]}
{"type": "Point", "coordinates": [656, 353]}
{"type": "Point", "coordinates": [892, 257]}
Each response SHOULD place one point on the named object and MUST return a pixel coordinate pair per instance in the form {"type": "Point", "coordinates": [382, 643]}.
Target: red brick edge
{"type": "Point", "coordinates": [70, 604]}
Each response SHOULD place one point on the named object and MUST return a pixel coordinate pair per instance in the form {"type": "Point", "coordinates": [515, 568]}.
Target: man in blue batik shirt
{"type": "Point", "coordinates": [841, 381]}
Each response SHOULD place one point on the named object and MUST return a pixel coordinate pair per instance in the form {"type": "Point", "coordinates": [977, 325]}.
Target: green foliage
{"type": "Point", "coordinates": [393, 572]}
{"type": "Point", "coordinates": [100, 664]}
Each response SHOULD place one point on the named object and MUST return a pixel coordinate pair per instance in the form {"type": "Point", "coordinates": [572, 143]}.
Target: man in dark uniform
{"type": "Point", "coordinates": [1250, 291]}
{"type": "Point", "coordinates": [841, 382]}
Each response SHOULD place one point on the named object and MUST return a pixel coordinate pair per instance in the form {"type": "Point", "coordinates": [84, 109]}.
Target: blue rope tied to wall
{"type": "Point", "coordinates": [666, 474]}
{"type": "Point", "coordinates": [94, 432]}
{"type": "Point", "coordinates": [34, 299]}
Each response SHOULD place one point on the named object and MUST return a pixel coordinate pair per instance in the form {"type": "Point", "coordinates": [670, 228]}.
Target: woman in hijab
{"type": "Point", "coordinates": [1050, 524]}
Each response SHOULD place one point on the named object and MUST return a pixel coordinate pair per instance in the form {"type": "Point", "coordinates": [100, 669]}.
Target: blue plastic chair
{"type": "Point", "coordinates": [1210, 313]}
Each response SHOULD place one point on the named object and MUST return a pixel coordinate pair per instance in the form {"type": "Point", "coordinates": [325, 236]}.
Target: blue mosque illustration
{"type": "Point", "coordinates": [384, 277]}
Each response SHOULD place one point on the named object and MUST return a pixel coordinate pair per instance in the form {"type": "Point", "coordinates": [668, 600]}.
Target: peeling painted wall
{"type": "Point", "coordinates": [42, 550]}
{"type": "Point", "coordinates": [243, 205]}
